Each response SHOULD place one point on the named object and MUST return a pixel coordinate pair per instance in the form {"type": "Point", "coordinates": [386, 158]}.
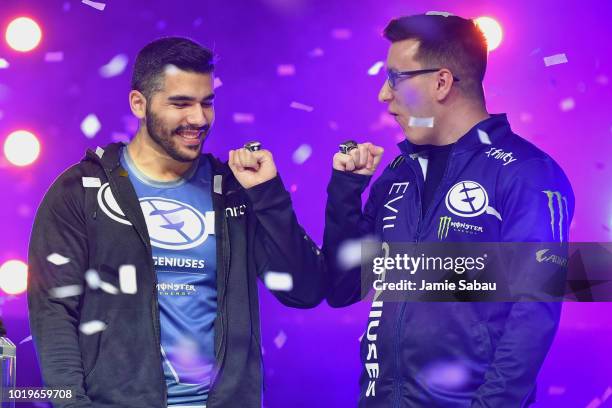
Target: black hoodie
{"type": "Point", "coordinates": [121, 366]}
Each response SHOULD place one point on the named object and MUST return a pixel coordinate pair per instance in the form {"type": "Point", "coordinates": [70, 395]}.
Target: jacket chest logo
{"type": "Point", "coordinates": [235, 211]}
{"type": "Point", "coordinates": [467, 199]}
{"type": "Point", "coordinates": [108, 204]}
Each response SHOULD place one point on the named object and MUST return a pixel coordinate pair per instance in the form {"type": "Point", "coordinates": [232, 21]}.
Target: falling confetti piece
{"type": "Point", "coordinates": [421, 122]}
{"type": "Point", "coordinates": [293, 188]}
{"type": "Point", "coordinates": [217, 83]}
{"type": "Point", "coordinates": [302, 153]}
{"type": "Point", "coordinates": [341, 33]}
{"type": "Point", "coordinates": [349, 254]}
{"type": "Point", "coordinates": [484, 137]}
{"type": "Point", "coordinates": [594, 404]}
{"type": "Point", "coordinates": [439, 13]}
{"type": "Point", "coordinates": [285, 70]}
{"type": "Point", "coordinates": [278, 281]}
{"type": "Point", "coordinates": [127, 279]}
{"type": "Point", "coordinates": [4, 63]}
{"type": "Point", "coordinates": [567, 104]}
{"type": "Point", "coordinates": [375, 69]}
{"type": "Point", "coordinates": [91, 182]}
{"type": "Point", "coordinates": [95, 4]}
{"type": "Point", "coordinates": [317, 52]}
{"type": "Point", "coordinates": [280, 339]}
{"type": "Point", "coordinates": [243, 117]}
{"type": "Point", "coordinates": [555, 60]}
{"type": "Point", "coordinates": [526, 117]}
{"type": "Point", "coordinates": [56, 56]}
{"type": "Point", "coordinates": [93, 279]}
{"type": "Point", "coordinates": [602, 80]}
{"type": "Point", "coordinates": [301, 106]}
{"type": "Point", "coordinates": [99, 151]}
{"type": "Point", "coordinates": [66, 291]}
{"type": "Point", "coordinates": [57, 259]}
{"type": "Point", "coordinates": [92, 327]}
{"type": "Point", "coordinates": [27, 339]}
{"type": "Point", "coordinates": [108, 288]}
{"type": "Point", "coordinates": [114, 67]}
{"type": "Point", "coordinates": [90, 125]}
{"type": "Point", "coordinates": [361, 337]}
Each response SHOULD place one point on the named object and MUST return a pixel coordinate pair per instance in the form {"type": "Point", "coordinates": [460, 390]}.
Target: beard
{"type": "Point", "coordinates": [164, 137]}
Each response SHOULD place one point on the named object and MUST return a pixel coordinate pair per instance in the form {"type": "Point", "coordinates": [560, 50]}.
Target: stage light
{"type": "Point", "coordinates": [23, 34]}
{"type": "Point", "coordinates": [14, 277]}
{"type": "Point", "coordinates": [491, 30]}
{"type": "Point", "coordinates": [21, 148]}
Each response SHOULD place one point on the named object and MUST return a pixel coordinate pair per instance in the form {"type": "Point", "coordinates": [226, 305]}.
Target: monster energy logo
{"type": "Point", "coordinates": [561, 202]}
{"type": "Point", "coordinates": [443, 227]}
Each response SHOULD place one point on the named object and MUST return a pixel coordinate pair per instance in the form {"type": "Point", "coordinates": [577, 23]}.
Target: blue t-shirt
{"type": "Point", "coordinates": [181, 225]}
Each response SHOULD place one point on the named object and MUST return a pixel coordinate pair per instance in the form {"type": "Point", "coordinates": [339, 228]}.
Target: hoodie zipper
{"type": "Point", "coordinates": [154, 306]}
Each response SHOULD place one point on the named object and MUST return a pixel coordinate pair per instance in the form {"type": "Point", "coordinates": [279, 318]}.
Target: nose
{"type": "Point", "coordinates": [385, 94]}
{"type": "Point", "coordinates": [197, 116]}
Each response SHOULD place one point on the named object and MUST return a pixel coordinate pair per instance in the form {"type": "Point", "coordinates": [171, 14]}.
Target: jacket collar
{"type": "Point", "coordinates": [485, 132]}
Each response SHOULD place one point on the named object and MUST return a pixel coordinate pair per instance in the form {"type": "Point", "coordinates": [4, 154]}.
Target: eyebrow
{"type": "Point", "coordinates": [187, 98]}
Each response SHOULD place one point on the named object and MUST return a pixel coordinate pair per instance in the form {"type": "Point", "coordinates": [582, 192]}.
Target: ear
{"type": "Point", "coordinates": [138, 104]}
{"type": "Point", "coordinates": [444, 84]}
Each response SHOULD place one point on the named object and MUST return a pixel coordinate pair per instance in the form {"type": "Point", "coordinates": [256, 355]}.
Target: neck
{"type": "Point", "coordinates": [459, 119]}
{"type": "Point", "coordinates": [151, 159]}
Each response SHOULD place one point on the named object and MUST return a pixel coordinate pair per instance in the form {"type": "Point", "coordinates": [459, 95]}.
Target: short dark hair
{"type": "Point", "coordinates": [153, 59]}
{"type": "Point", "coordinates": [449, 42]}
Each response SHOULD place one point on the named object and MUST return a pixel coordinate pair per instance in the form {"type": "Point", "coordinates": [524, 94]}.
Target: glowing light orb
{"type": "Point", "coordinates": [21, 148]}
{"type": "Point", "coordinates": [492, 31]}
{"type": "Point", "coordinates": [14, 277]}
{"type": "Point", "coordinates": [23, 34]}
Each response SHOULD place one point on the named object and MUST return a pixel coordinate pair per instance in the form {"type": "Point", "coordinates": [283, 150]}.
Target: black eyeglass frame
{"type": "Point", "coordinates": [394, 77]}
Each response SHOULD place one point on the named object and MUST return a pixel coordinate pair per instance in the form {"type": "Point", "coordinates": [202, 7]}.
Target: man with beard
{"type": "Point", "coordinates": [144, 258]}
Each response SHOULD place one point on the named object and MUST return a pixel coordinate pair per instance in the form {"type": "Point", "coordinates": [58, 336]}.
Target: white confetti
{"type": "Point", "coordinates": [243, 117]}
{"type": "Point", "coordinates": [594, 404]}
{"type": "Point", "coordinates": [302, 153]}
{"type": "Point", "coordinates": [90, 126]}
{"type": "Point", "coordinates": [92, 327]}
{"type": "Point", "coordinates": [95, 4]}
{"type": "Point", "coordinates": [301, 106]}
{"type": "Point", "coordinates": [607, 394]}
{"type": "Point", "coordinates": [91, 182]}
{"type": "Point", "coordinates": [27, 339]}
{"type": "Point", "coordinates": [4, 63]}
{"type": "Point", "coordinates": [56, 56]}
{"type": "Point", "coordinates": [484, 137]}
{"type": "Point", "coordinates": [108, 288]}
{"type": "Point", "coordinates": [127, 279]}
{"type": "Point", "coordinates": [350, 251]}
{"type": "Point", "coordinates": [420, 122]}
{"type": "Point", "coordinates": [317, 52]}
{"type": "Point", "coordinates": [66, 291]}
{"type": "Point", "coordinates": [114, 67]}
{"type": "Point", "coordinates": [217, 184]}
{"type": "Point", "coordinates": [217, 82]}
{"type": "Point", "coordinates": [285, 70]}
{"type": "Point", "coordinates": [99, 151]}
{"type": "Point", "coordinates": [57, 259]}
{"type": "Point", "coordinates": [278, 281]}
{"type": "Point", "coordinates": [280, 339]}
{"type": "Point", "coordinates": [555, 60]}
{"type": "Point", "coordinates": [361, 337]}
{"type": "Point", "coordinates": [171, 69]}
{"type": "Point", "coordinates": [375, 69]}
{"type": "Point", "coordinates": [341, 33]}
{"type": "Point", "coordinates": [439, 13]}
{"type": "Point", "coordinates": [492, 211]}
{"type": "Point", "coordinates": [567, 104]}
{"type": "Point", "coordinates": [93, 279]}
{"type": "Point", "coordinates": [556, 390]}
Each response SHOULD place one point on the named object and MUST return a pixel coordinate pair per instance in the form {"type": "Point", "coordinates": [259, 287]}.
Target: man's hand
{"type": "Point", "coordinates": [362, 160]}
{"type": "Point", "coordinates": [252, 168]}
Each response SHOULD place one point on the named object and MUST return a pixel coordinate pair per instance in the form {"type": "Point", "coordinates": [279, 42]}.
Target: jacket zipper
{"type": "Point", "coordinates": [154, 306]}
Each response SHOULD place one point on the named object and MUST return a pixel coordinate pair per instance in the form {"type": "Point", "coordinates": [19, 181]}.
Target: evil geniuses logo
{"type": "Point", "coordinates": [171, 224]}
{"type": "Point", "coordinates": [108, 204]}
{"type": "Point", "coordinates": [467, 199]}
{"type": "Point", "coordinates": [175, 225]}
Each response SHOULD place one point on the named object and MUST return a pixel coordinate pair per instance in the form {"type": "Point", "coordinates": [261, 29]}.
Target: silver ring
{"type": "Point", "coordinates": [252, 146]}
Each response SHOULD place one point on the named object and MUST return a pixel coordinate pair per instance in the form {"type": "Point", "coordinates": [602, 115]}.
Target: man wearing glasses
{"type": "Point", "coordinates": [462, 176]}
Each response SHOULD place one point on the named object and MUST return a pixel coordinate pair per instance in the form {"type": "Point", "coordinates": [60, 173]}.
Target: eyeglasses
{"type": "Point", "coordinates": [394, 77]}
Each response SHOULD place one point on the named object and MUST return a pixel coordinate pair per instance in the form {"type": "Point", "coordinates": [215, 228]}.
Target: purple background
{"type": "Point", "coordinates": [318, 365]}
